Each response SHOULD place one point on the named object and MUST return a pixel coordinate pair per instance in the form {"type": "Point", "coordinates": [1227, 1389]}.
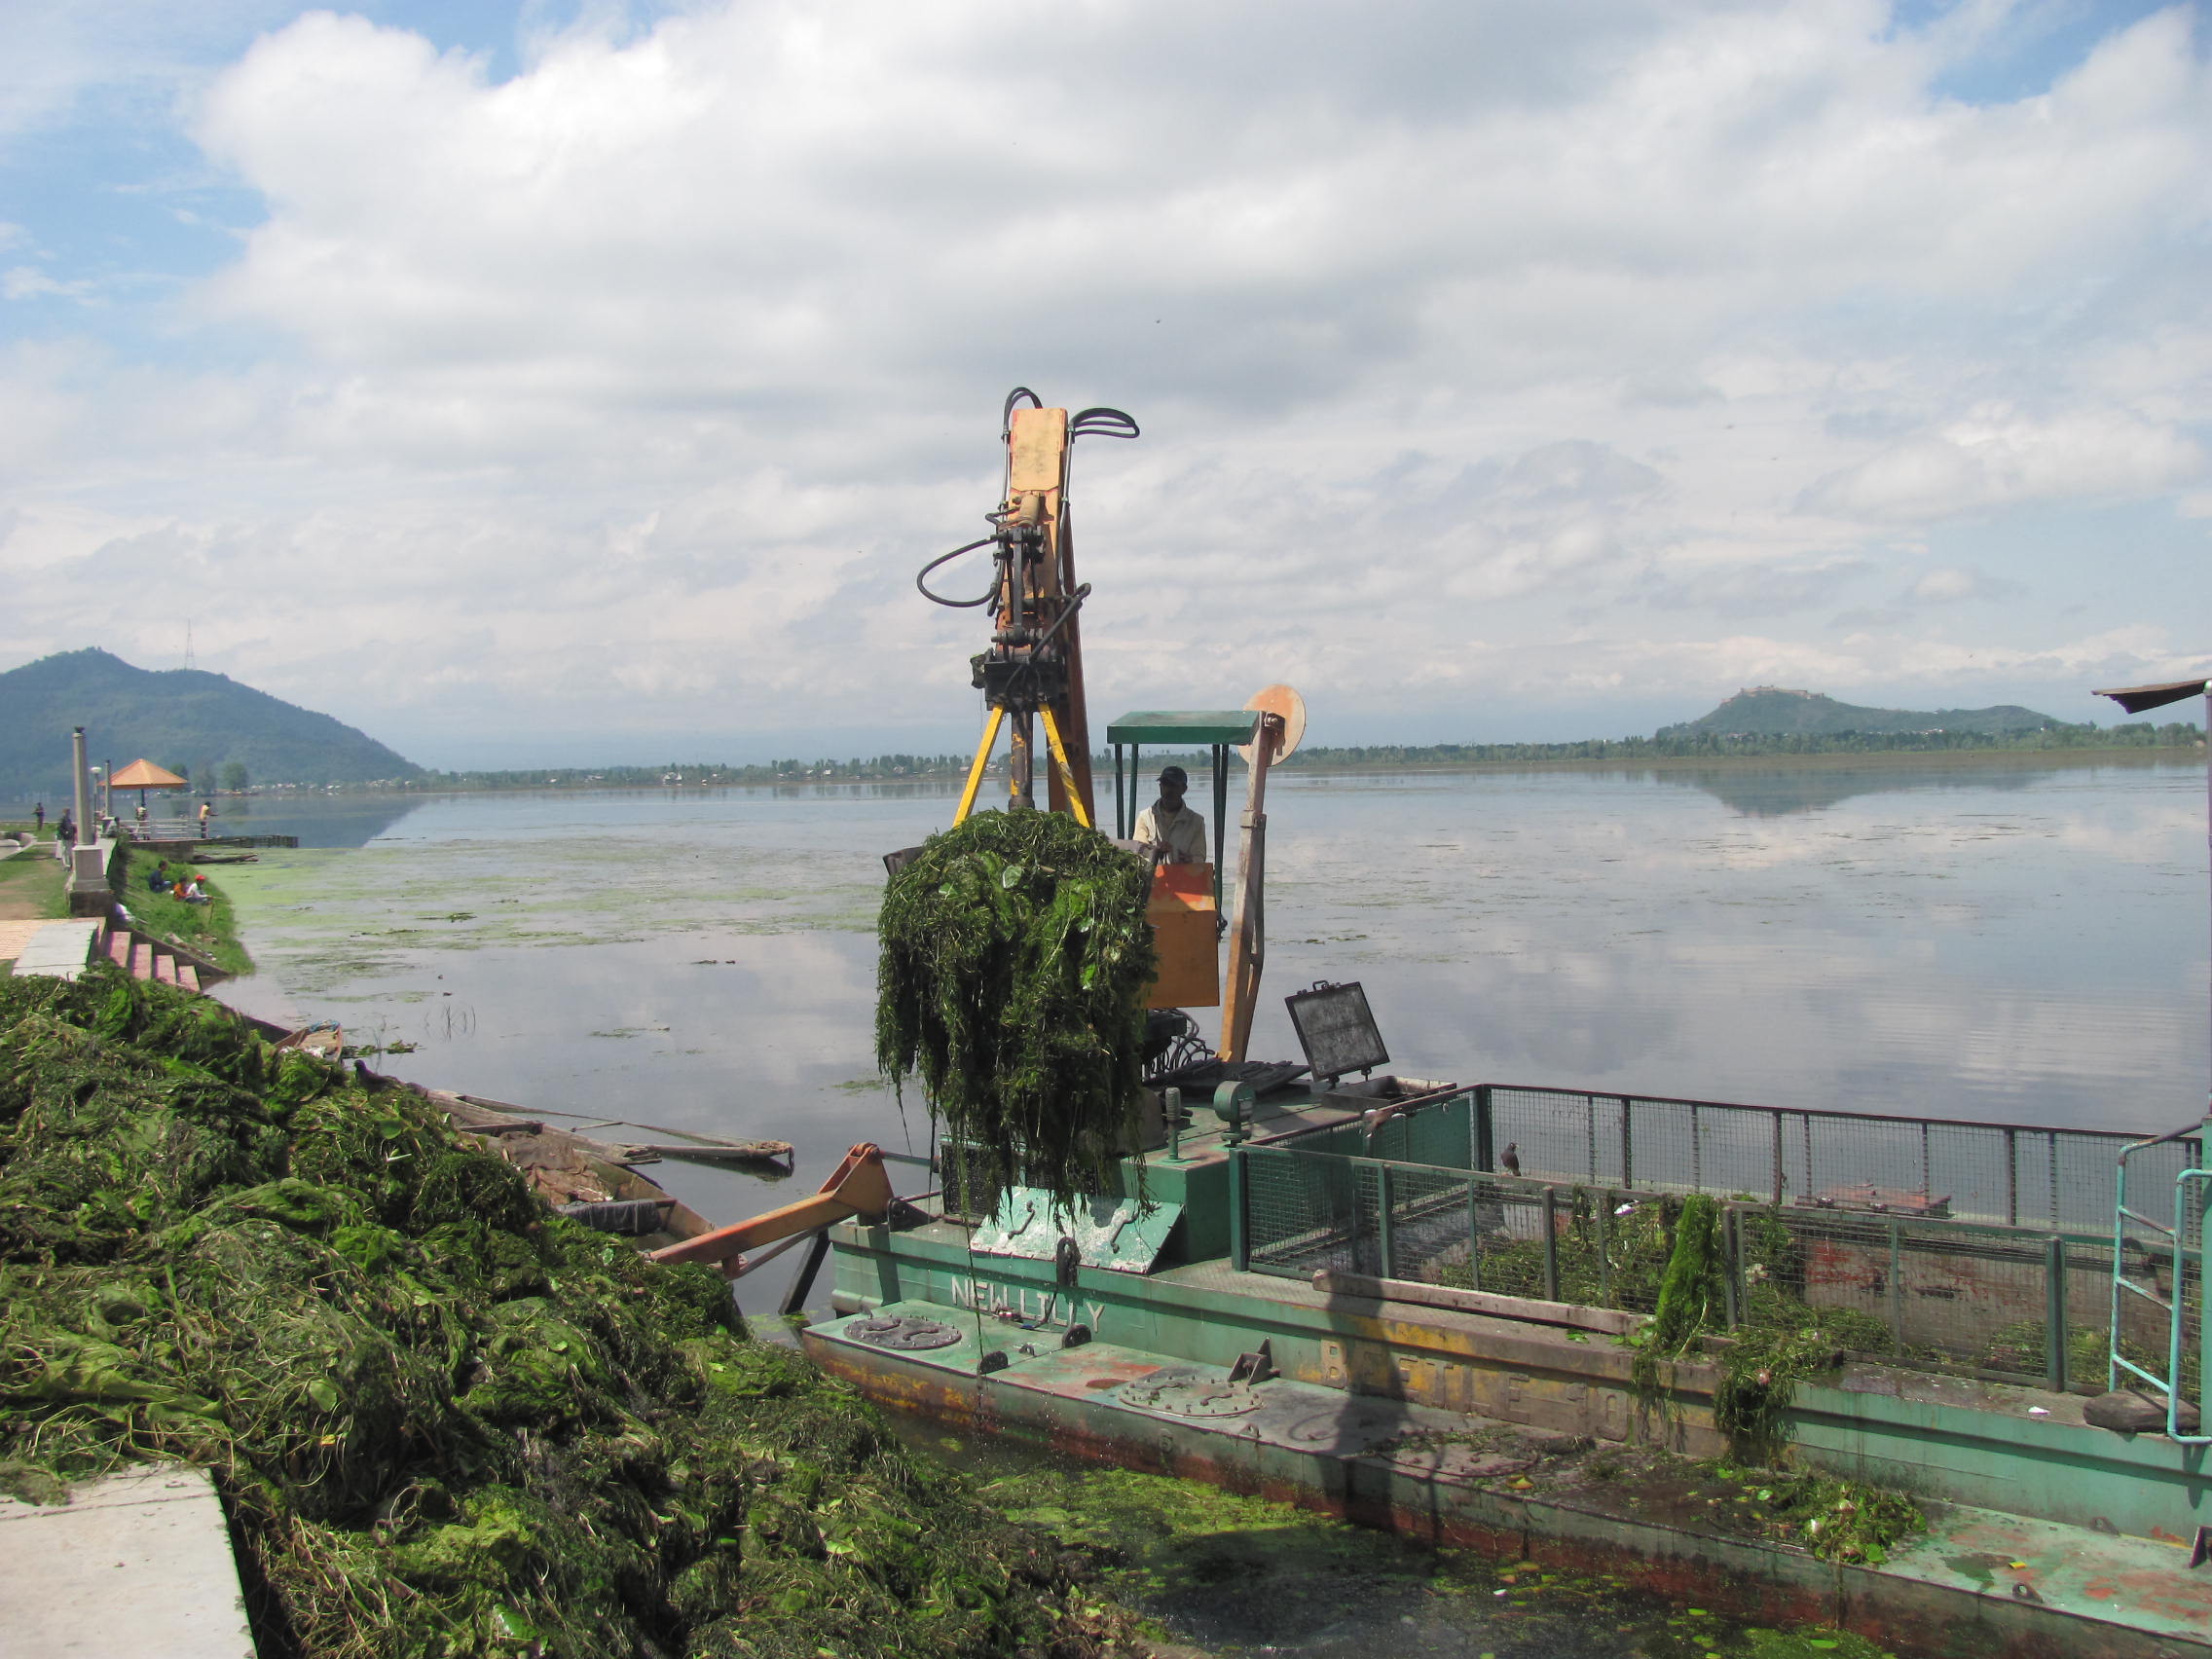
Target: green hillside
{"type": "Point", "coordinates": [183, 719]}
{"type": "Point", "coordinates": [1768, 711]}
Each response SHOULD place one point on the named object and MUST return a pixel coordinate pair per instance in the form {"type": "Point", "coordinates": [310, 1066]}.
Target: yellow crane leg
{"type": "Point", "coordinates": [1067, 772]}
{"type": "Point", "coordinates": [859, 1186]}
{"type": "Point", "coordinates": [975, 768]}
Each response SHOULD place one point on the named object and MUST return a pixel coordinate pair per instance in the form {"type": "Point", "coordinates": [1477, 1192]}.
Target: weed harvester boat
{"type": "Point", "coordinates": [1415, 1302]}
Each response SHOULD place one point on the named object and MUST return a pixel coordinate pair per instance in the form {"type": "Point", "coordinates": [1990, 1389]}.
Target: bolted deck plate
{"type": "Point", "coordinates": [1189, 1391]}
{"type": "Point", "coordinates": [905, 1333]}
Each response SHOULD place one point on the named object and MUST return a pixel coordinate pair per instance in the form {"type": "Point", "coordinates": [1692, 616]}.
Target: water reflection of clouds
{"type": "Point", "coordinates": [2148, 832]}
{"type": "Point", "coordinates": [1831, 1023]}
{"type": "Point", "coordinates": [2031, 952]}
{"type": "Point", "coordinates": [1918, 952]}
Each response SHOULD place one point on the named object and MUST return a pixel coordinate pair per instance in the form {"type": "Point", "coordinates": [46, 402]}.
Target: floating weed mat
{"type": "Point", "coordinates": [444, 1420]}
{"type": "Point", "coordinates": [1014, 960]}
{"type": "Point", "coordinates": [1243, 1574]}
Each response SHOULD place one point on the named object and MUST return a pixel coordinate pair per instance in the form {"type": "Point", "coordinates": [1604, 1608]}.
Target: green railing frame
{"type": "Point", "coordinates": [2176, 1310]}
{"type": "Point", "coordinates": [2053, 1245]}
{"type": "Point", "coordinates": [2019, 1141]}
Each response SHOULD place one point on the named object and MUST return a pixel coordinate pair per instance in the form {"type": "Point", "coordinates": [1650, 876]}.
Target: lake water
{"type": "Point", "coordinates": [2018, 943]}
{"type": "Point", "coordinates": [2000, 942]}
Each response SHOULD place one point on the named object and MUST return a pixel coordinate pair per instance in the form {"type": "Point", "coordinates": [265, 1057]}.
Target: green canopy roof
{"type": "Point", "coordinates": [1185, 725]}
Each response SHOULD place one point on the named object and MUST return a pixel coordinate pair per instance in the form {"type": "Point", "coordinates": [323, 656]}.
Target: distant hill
{"type": "Point", "coordinates": [1769, 711]}
{"type": "Point", "coordinates": [182, 718]}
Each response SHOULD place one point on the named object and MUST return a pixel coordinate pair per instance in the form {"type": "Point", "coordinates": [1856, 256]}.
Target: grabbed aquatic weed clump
{"type": "Point", "coordinates": [1014, 960]}
{"type": "Point", "coordinates": [444, 1420]}
{"type": "Point", "coordinates": [1778, 1343]}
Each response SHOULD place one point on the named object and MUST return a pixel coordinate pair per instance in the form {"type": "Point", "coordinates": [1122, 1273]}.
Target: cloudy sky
{"type": "Point", "coordinates": [535, 383]}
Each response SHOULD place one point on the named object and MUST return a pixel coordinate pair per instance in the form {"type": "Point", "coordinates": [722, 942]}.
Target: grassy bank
{"type": "Point", "coordinates": [31, 882]}
{"type": "Point", "coordinates": [211, 929]}
{"type": "Point", "coordinates": [443, 1421]}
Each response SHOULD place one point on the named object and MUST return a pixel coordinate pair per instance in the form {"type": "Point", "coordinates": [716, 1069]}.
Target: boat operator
{"type": "Point", "coordinates": [1167, 829]}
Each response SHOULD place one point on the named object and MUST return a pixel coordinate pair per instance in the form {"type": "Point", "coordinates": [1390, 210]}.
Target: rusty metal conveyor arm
{"type": "Point", "coordinates": [860, 1186]}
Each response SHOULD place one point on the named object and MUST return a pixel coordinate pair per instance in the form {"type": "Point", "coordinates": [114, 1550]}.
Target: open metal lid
{"type": "Point", "coordinates": [1336, 1030]}
{"type": "Point", "coordinates": [2140, 699]}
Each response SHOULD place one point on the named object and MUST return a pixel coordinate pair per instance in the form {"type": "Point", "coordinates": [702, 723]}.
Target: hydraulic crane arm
{"type": "Point", "coordinates": [1032, 672]}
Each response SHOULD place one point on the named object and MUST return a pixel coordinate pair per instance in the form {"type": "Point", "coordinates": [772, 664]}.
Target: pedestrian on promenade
{"type": "Point", "coordinates": [38, 816]}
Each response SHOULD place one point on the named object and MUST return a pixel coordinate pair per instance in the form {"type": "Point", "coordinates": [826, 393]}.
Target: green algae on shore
{"type": "Point", "coordinates": [443, 1421]}
{"type": "Point", "coordinates": [324, 919]}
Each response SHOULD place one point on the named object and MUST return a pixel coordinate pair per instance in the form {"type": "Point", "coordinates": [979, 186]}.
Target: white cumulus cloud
{"type": "Point", "coordinates": [1497, 362]}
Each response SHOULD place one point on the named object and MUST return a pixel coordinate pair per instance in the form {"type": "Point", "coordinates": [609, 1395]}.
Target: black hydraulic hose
{"type": "Point", "coordinates": [1075, 603]}
{"type": "Point", "coordinates": [1102, 424]}
{"type": "Point", "coordinates": [1026, 674]}
{"type": "Point", "coordinates": [954, 603]}
{"type": "Point", "coordinates": [1006, 415]}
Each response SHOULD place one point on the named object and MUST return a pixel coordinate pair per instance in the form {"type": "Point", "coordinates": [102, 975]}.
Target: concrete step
{"type": "Point", "coordinates": [165, 966]}
{"type": "Point", "coordinates": [176, 1594]}
{"type": "Point", "coordinates": [141, 959]}
{"type": "Point", "coordinates": [119, 949]}
{"type": "Point", "coordinates": [188, 976]}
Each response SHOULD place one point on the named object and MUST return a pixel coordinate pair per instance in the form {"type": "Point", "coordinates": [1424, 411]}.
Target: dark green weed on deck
{"type": "Point", "coordinates": [1234, 1575]}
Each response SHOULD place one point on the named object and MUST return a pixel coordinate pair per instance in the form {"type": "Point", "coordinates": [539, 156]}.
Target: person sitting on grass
{"type": "Point", "coordinates": [190, 890]}
{"type": "Point", "coordinates": [159, 879]}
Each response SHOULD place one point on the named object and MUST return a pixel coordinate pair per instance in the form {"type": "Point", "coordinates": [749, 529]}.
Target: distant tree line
{"type": "Point", "coordinates": [1668, 746]}
{"type": "Point", "coordinates": [231, 776]}
{"type": "Point", "coordinates": [1680, 744]}
{"type": "Point", "coordinates": [882, 767]}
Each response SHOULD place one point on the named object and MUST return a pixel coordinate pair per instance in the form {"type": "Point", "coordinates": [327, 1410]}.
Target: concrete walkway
{"type": "Point", "coordinates": [136, 1562]}
{"type": "Point", "coordinates": [60, 949]}
{"type": "Point", "coordinates": [15, 933]}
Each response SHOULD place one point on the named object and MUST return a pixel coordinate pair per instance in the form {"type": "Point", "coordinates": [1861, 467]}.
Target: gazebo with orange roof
{"type": "Point", "coordinates": [143, 775]}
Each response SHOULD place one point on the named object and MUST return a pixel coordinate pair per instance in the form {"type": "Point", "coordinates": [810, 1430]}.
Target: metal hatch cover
{"type": "Point", "coordinates": [903, 1332]}
{"type": "Point", "coordinates": [1189, 1391]}
{"type": "Point", "coordinates": [1116, 1234]}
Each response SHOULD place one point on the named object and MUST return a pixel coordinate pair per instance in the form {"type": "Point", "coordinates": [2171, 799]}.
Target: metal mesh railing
{"type": "Point", "coordinates": [1987, 1297]}
{"type": "Point", "coordinates": [1439, 1132]}
{"type": "Point", "coordinates": [2003, 1174]}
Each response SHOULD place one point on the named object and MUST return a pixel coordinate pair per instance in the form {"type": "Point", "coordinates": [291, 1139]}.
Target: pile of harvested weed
{"type": "Point", "coordinates": [443, 1421]}
{"type": "Point", "coordinates": [1015, 959]}
{"type": "Point", "coordinates": [1835, 1519]}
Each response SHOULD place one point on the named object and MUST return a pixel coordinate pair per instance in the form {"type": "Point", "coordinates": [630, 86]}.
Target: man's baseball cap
{"type": "Point", "coordinates": [1176, 775]}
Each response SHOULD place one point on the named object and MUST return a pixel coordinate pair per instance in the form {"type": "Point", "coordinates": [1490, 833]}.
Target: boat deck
{"type": "Point", "coordinates": [1977, 1581]}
